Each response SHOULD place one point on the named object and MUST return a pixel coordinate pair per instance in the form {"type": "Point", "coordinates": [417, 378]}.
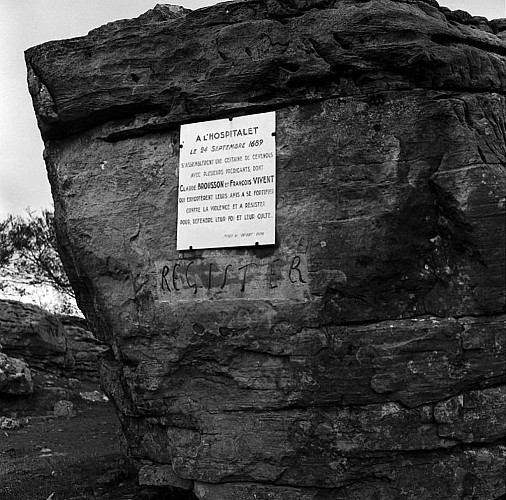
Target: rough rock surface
{"type": "Point", "coordinates": [64, 409]}
{"type": "Point", "coordinates": [15, 376]}
{"type": "Point", "coordinates": [48, 342]}
{"type": "Point", "coordinates": [86, 349]}
{"type": "Point", "coordinates": [34, 335]}
{"type": "Point", "coordinates": [380, 372]}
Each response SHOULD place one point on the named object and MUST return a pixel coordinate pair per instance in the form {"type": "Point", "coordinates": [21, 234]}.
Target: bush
{"type": "Point", "coordinates": [30, 263]}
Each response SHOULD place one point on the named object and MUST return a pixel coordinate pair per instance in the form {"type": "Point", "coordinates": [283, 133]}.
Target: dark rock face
{"type": "Point", "coordinates": [86, 349]}
{"type": "Point", "coordinates": [377, 371]}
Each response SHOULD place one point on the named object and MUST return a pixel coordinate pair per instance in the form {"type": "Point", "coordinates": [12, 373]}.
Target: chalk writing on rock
{"type": "Point", "coordinates": [279, 277]}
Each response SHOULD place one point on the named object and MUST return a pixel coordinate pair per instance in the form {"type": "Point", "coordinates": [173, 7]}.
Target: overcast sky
{"type": "Point", "coordinates": [25, 23]}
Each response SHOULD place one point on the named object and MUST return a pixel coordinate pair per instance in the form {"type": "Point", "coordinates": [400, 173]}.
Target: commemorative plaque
{"type": "Point", "coordinates": [227, 183]}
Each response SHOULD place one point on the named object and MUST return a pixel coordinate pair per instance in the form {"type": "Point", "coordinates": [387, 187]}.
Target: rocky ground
{"type": "Point", "coordinates": [75, 456]}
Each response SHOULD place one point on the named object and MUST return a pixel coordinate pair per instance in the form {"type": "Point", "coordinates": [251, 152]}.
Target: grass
{"type": "Point", "coordinates": [64, 477]}
{"type": "Point", "coordinates": [68, 459]}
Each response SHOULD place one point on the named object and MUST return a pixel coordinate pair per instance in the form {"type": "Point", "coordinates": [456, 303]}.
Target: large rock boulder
{"type": "Point", "coordinates": [59, 344]}
{"type": "Point", "coordinates": [373, 365]}
{"type": "Point", "coordinates": [15, 376]}
{"type": "Point", "coordinates": [35, 335]}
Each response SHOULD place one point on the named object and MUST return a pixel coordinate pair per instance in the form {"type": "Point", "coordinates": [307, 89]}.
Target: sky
{"type": "Point", "coordinates": [26, 23]}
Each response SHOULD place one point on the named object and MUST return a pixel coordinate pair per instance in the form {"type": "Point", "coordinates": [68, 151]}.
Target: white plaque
{"type": "Point", "coordinates": [227, 183]}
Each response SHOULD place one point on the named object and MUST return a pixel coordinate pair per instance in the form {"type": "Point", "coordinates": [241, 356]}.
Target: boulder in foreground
{"type": "Point", "coordinates": [365, 357]}
{"type": "Point", "coordinates": [15, 376]}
